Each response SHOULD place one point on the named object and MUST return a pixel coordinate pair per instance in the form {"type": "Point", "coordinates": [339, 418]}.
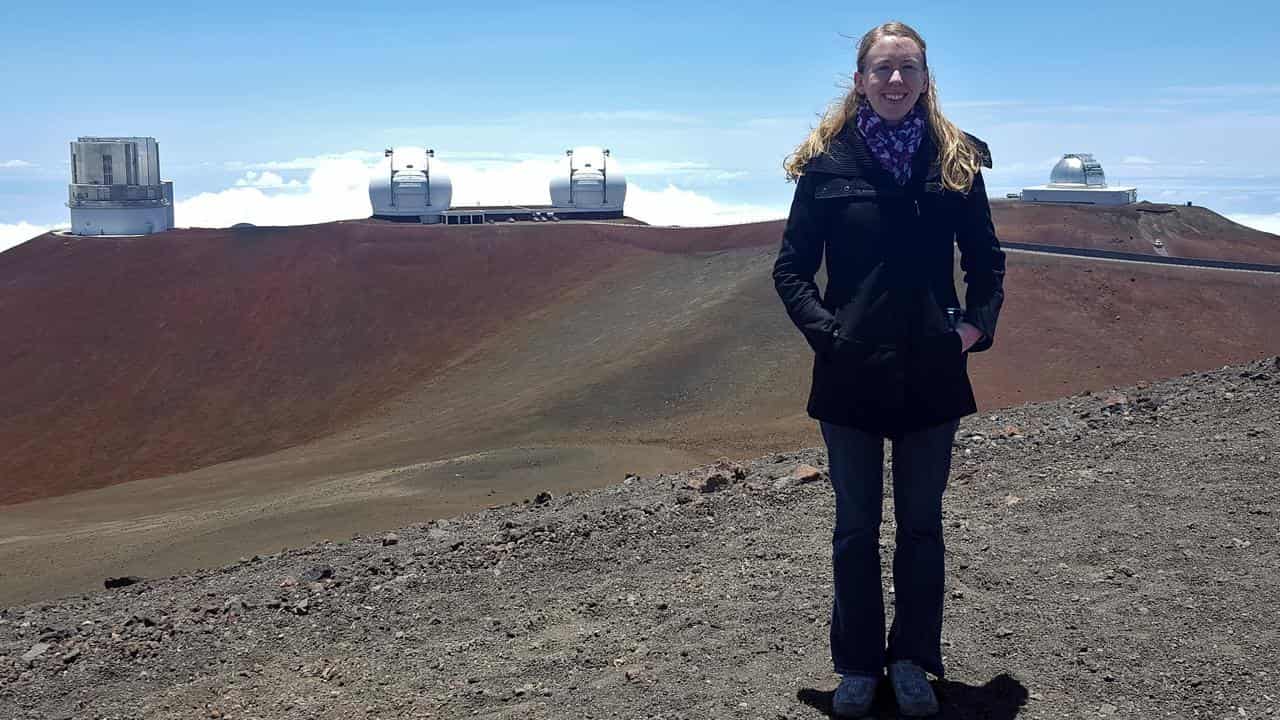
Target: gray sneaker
{"type": "Point", "coordinates": [853, 697]}
{"type": "Point", "coordinates": [911, 688]}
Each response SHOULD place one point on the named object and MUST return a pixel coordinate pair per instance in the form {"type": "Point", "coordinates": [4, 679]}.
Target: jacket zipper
{"type": "Point", "coordinates": [917, 204]}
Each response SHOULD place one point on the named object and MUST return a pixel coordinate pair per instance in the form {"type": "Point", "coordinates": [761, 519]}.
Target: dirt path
{"type": "Point", "coordinates": [1109, 555]}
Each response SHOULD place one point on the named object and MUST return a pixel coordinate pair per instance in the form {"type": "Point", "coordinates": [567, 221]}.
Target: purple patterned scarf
{"type": "Point", "coordinates": [894, 146]}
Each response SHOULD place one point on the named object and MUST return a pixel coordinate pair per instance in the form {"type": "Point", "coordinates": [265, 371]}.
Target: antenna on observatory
{"type": "Point", "coordinates": [391, 168]}
{"type": "Point", "coordinates": [604, 170]}
{"type": "Point", "coordinates": [569, 153]}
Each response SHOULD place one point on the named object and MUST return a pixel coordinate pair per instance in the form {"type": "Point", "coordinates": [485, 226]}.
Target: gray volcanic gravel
{"type": "Point", "coordinates": [1109, 555]}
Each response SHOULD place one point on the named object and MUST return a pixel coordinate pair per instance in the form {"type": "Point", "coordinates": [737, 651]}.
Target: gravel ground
{"type": "Point", "coordinates": [1109, 555]}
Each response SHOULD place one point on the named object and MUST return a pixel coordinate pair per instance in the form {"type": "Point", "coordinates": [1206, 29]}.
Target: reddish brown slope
{"type": "Point", "coordinates": [142, 357]}
{"type": "Point", "coordinates": [1186, 232]}
{"type": "Point", "coordinates": [127, 358]}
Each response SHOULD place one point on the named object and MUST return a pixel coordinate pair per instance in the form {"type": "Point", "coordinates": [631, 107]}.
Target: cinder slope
{"type": "Point", "coordinates": [130, 358]}
{"type": "Point", "coordinates": [1185, 231]}
{"type": "Point", "coordinates": [1110, 555]}
{"type": "Point", "coordinates": [661, 360]}
{"type": "Point", "coordinates": [133, 358]}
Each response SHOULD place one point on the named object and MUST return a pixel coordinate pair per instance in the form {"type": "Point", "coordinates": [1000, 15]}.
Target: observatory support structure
{"type": "Point", "coordinates": [116, 187]}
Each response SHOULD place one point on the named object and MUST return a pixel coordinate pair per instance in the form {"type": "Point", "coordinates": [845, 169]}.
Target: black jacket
{"type": "Point", "coordinates": [886, 360]}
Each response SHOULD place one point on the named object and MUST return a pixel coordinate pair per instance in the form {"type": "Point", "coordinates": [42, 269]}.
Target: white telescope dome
{"type": "Point", "coordinates": [1077, 170]}
{"type": "Point", "coordinates": [409, 182]}
{"type": "Point", "coordinates": [589, 178]}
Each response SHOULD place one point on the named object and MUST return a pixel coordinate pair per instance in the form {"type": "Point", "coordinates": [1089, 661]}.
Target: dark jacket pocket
{"type": "Point", "coordinates": [869, 374]}
{"type": "Point", "coordinates": [936, 370]}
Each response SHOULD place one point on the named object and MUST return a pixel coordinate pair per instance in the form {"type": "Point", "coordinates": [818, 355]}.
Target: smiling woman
{"type": "Point", "coordinates": [886, 188]}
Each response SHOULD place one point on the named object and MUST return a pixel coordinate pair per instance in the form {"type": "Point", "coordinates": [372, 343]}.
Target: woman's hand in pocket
{"type": "Point", "coordinates": [969, 335]}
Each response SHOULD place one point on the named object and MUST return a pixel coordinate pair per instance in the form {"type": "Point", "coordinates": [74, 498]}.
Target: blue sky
{"type": "Point", "coordinates": [268, 112]}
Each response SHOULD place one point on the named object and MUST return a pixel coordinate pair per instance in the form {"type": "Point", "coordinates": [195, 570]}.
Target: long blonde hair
{"type": "Point", "coordinates": [960, 159]}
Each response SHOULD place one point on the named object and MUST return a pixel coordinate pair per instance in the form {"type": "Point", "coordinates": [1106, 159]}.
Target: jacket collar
{"type": "Point", "coordinates": [848, 156]}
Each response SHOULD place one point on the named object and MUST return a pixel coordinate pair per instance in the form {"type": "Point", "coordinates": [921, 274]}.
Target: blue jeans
{"type": "Point", "coordinates": [921, 463]}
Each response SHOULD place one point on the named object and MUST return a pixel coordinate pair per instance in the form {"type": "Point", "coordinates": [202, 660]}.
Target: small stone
{"type": "Point", "coordinates": [289, 581]}
{"type": "Point", "coordinates": [806, 474]}
{"type": "Point", "coordinates": [316, 574]}
{"type": "Point", "coordinates": [733, 469]}
{"type": "Point", "coordinates": [1012, 499]}
{"type": "Point", "coordinates": [390, 539]}
{"type": "Point", "coordinates": [36, 651]}
{"type": "Point", "coordinates": [119, 582]}
{"type": "Point", "coordinates": [543, 498]}
{"type": "Point", "coordinates": [709, 483]}
{"type": "Point", "coordinates": [1115, 401]}
{"type": "Point", "coordinates": [71, 655]}
{"type": "Point", "coordinates": [1003, 632]}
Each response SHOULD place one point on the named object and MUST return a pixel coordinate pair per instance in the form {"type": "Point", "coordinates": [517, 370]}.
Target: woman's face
{"type": "Point", "coordinates": [894, 79]}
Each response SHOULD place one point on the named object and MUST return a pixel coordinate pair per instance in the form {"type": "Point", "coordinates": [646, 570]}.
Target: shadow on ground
{"type": "Point", "coordinates": [1000, 699]}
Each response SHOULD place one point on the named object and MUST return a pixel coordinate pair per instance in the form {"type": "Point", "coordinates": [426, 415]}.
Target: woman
{"type": "Point", "coordinates": [886, 187]}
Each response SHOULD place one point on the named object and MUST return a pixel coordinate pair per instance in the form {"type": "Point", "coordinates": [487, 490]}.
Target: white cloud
{"type": "Point", "coordinates": [17, 233]}
{"type": "Point", "coordinates": [337, 189]}
{"type": "Point", "coordinates": [1264, 222]}
{"type": "Point", "coordinates": [15, 164]}
{"type": "Point", "coordinates": [502, 183]}
{"type": "Point", "coordinates": [306, 163]}
{"type": "Point", "coordinates": [674, 206]}
{"type": "Point", "coordinates": [266, 179]}
{"type": "Point", "coordinates": [1137, 160]}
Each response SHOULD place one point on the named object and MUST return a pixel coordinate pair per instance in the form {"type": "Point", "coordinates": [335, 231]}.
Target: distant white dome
{"type": "Point", "coordinates": [409, 183]}
{"type": "Point", "coordinates": [589, 178]}
{"type": "Point", "coordinates": [1077, 170]}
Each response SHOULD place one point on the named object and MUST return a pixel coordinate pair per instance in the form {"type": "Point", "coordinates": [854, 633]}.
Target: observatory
{"type": "Point", "coordinates": [410, 185]}
{"type": "Point", "coordinates": [1078, 178]}
{"type": "Point", "coordinates": [116, 187]}
{"type": "Point", "coordinates": [589, 182]}
{"type": "Point", "coordinates": [588, 185]}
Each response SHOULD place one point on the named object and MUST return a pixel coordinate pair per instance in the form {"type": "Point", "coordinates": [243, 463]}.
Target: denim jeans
{"type": "Point", "coordinates": [921, 463]}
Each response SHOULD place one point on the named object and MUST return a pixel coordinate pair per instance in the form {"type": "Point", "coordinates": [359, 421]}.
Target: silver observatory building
{"type": "Point", "coordinates": [1078, 178]}
{"type": "Point", "coordinates": [116, 187]}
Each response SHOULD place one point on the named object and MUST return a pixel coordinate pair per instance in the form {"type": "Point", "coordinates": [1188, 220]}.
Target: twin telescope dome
{"type": "Point", "coordinates": [589, 177]}
{"type": "Point", "coordinates": [410, 183]}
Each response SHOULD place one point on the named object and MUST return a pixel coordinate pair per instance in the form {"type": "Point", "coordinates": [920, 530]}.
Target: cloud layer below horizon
{"type": "Point", "coordinates": [335, 187]}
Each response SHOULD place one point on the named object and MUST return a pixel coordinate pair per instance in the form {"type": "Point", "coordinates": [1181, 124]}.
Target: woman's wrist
{"type": "Point", "coordinates": [969, 335]}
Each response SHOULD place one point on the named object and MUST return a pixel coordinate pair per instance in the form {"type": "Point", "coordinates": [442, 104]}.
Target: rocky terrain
{"type": "Point", "coordinates": [1110, 554]}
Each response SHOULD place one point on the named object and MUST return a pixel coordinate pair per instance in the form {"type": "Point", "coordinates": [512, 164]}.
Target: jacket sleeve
{"type": "Point", "coordinates": [793, 271]}
{"type": "Point", "coordinates": [982, 261]}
